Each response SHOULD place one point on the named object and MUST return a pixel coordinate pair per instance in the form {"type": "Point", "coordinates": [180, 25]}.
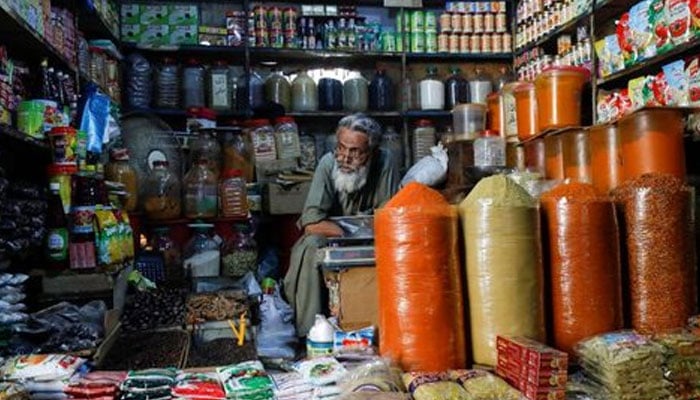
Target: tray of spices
{"type": "Point", "coordinates": [152, 349]}
{"type": "Point", "coordinates": [154, 309]}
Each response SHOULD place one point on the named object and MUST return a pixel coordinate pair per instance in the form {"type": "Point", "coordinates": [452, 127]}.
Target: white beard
{"type": "Point", "coordinates": [350, 182]}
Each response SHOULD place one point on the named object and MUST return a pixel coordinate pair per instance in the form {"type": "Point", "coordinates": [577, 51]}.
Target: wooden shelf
{"type": "Point", "coordinates": [15, 134]}
{"type": "Point", "coordinates": [264, 54]}
{"type": "Point", "coordinates": [185, 221]}
{"type": "Point", "coordinates": [94, 25]}
{"type": "Point", "coordinates": [569, 27]}
{"type": "Point", "coordinates": [460, 57]}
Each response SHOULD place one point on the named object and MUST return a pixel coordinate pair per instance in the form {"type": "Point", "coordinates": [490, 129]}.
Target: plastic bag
{"type": "Point", "coordinates": [246, 381]}
{"type": "Point", "coordinates": [45, 367]}
{"type": "Point", "coordinates": [277, 336]}
{"type": "Point", "coordinates": [321, 371]}
{"type": "Point", "coordinates": [482, 385]}
{"type": "Point", "coordinates": [94, 120]}
{"type": "Point", "coordinates": [292, 384]}
{"type": "Point", "coordinates": [201, 386]}
{"type": "Point", "coordinates": [430, 170]}
{"type": "Point", "coordinates": [373, 376]}
{"type": "Point", "coordinates": [433, 386]}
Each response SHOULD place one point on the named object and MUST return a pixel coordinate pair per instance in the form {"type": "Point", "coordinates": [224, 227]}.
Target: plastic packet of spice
{"type": "Point", "coordinates": [246, 381]}
{"type": "Point", "coordinates": [202, 386]}
{"type": "Point", "coordinates": [321, 371]}
{"type": "Point", "coordinates": [149, 379]}
{"type": "Point", "coordinates": [433, 386]}
{"type": "Point", "coordinates": [483, 385]}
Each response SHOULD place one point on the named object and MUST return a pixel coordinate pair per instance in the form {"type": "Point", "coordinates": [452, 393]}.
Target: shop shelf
{"type": "Point", "coordinates": [271, 55]}
{"type": "Point", "coordinates": [428, 114]}
{"type": "Point", "coordinates": [189, 50]}
{"type": "Point", "coordinates": [181, 112]}
{"type": "Point", "coordinates": [340, 114]}
{"type": "Point", "coordinates": [651, 65]}
{"type": "Point", "coordinates": [460, 57]}
{"type": "Point", "coordinates": [22, 40]}
{"type": "Point", "coordinates": [185, 221]}
{"type": "Point", "coordinates": [94, 26]}
{"type": "Point", "coordinates": [569, 27]}
{"type": "Point", "coordinates": [15, 134]}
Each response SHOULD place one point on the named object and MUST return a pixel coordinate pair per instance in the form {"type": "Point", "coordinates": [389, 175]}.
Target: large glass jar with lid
{"type": "Point", "coordinates": [355, 93]}
{"type": "Point", "coordinates": [456, 89]}
{"type": "Point", "coordinates": [161, 195]}
{"type": "Point", "coordinates": [432, 91]}
{"type": "Point", "coordinates": [219, 87]}
{"type": "Point", "coordinates": [238, 152]}
{"type": "Point", "coordinates": [202, 256]}
{"type": "Point", "coordinates": [381, 92]}
{"type": "Point", "coordinates": [207, 147]}
{"type": "Point", "coordinates": [193, 84]}
{"type": "Point", "coordinates": [168, 84]}
{"type": "Point", "coordinates": [330, 94]}
{"type": "Point", "coordinates": [287, 138]}
{"type": "Point", "coordinates": [201, 194]}
{"type": "Point", "coordinates": [239, 254]}
{"type": "Point", "coordinates": [119, 170]}
{"type": "Point", "coordinates": [163, 243]}
{"type": "Point", "coordinates": [278, 90]}
{"type": "Point", "coordinates": [304, 94]}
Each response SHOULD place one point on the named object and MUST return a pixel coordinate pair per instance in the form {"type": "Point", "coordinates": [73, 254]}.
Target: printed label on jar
{"type": "Point", "coordinates": [443, 43]}
{"type": "Point", "coordinates": [464, 43]}
{"type": "Point", "coordinates": [445, 22]}
{"type": "Point", "coordinates": [431, 45]}
{"type": "Point", "coordinates": [475, 45]}
{"type": "Point", "coordinates": [83, 219]}
{"type": "Point", "coordinates": [489, 23]}
{"type": "Point", "coordinates": [501, 23]}
{"type": "Point", "coordinates": [478, 23]}
{"type": "Point", "coordinates": [486, 43]}
{"type": "Point", "coordinates": [456, 22]}
{"type": "Point", "coordinates": [507, 42]}
{"type": "Point", "coordinates": [454, 43]}
{"type": "Point", "coordinates": [468, 23]}
{"type": "Point", "coordinates": [497, 43]}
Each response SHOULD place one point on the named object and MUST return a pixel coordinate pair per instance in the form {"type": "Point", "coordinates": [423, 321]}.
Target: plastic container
{"type": "Point", "coordinates": [278, 90]}
{"type": "Point", "coordinates": [207, 147]}
{"type": "Point", "coordinates": [432, 91]}
{"type": "Point", "coordinates": [233, 200]}
{"type": "Point", "coordinates": [456, 89]}
{"type": "Point", "coordinates": [392, 144]}
{"type": "Point", "coordinates": [554, 157]}
{"type": "Point", "coordinates": [262, 134]}
{"type": "Point", "coordinates": [304, 93]}
{"type": "Point", "coordinates": [652, 141]}
{"type": "Point", "coordinates": [576, 156]}
{"type": "Point", "coordinates": [489, 150]}
{"type": "Point", "coordinates": [410, 95]}
{"type": "Point", "coordinates": [139, 82]}
{"type": "Point", "coordinates": [162, 242]}
{"type": "Point", "coordinates": [219, 90]}
{"type": "Point", "coordinates": [480, 86]}
{"type": "Point", "coordinates": [558, 92]}
{"type": "Point", "coordinates": [61, 174]}
{"type": "Point", "coordinates": [63, 141]}
{"type": "Point", "coordinates": [535, 156]}
{"type": "Point", "coordinates": [168, 84]}
{"type": "Point", "coordinates": [201, 255]}
{"type": "Point", "coordinates": [468, 120]}
{"type": "Point", "coordinates": [119, 170]}
{"type": "Point", "coordinates": [356, 93]}
{"type": "Point", "coordinates": [193, 84]}
{"type": "Point", "coordinates": [606, 166]}
{"type": "Point", "coordinates": [423, 139]}
{"type": "Point", "coordinates": [494, 106]}
{"type": "Point", "coordinates": [256, 91]}
{"type": "Point", "coordinates": [526, 110]}
{"type": "Point", "coordinates": [287, 138]}
{"type": "Point", "coordinates": [381, 92]}
{"type": "Point", "coordinates": [161, 196]}
{"type": "Point", "coordinates": [508, 112]}
{"type": "Point", "coordinates": [239, 254]}
{"type": "Point", "coordinates": [238, 152]}
{"type": "Point", "coordinates": [200, 191]}
{"type": "Point", "coordinates": [330, 94]}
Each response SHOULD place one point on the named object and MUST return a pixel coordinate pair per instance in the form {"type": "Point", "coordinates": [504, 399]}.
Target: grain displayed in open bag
{"type": "Point", "coordinates": [584, 263]}
{"type": "Point", "coordinates": [504, 265]}
{"type": "Point", "coordinates": [420, 293]}
{"type": "Point", "coordinates": [433, 386]}
{"type": "Point", "coordinates": [659, 225]}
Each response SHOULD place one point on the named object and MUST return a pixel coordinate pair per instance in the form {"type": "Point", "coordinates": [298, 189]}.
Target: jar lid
{"type": "Point", "coordinates": [62, 130]}
{"type": "Point", "coordinates": [232, 173]}
{"type": "Point", "coordinates": [252, 123]}
{"type": "Point", "coordinates": [61, 169]}
{"type": "Point", "coordinates": [284, 120]}
{"type": "Point", "coordinates": [424, 122]}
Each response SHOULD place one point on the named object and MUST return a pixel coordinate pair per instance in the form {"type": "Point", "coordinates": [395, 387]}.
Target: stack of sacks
{"type": "Point", "coordinates": [683, 363]}
{"type": "Point", "coordinates": [101, 385]}
{"type": "Point", "coordinates": [155, 383]}
{"type": "Point", "coordinates": [540, 372]}
{"type": "Point", "coordinates": [44, 376]}
{"type": "Point", "coordinates": [203, 386]}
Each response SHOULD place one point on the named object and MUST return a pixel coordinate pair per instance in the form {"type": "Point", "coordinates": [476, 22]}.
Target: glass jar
{"type": "Point", "coordinates": [256, 91]}
{"type": "Point", "coordinates": [304, 94]}
{"type": "Point", "coordinates": [287, 138]}
{"type": "Point", "coordinates": [193, 84]}
{"type": "Point", "coordinates": [432, 91]}
{"type": "Point", "coordinates": [278, 90]}
{"type": "Point", "coordinates": [172, 256]}
{"type": "Point", "coordinates": [161, 196]}
{"type": "Point", "coordinates": [168, 84]}
{"type": "Point", "coordinates": [423, 139]}
{"type": "Point", "coordinates": [505, 76]}
{"type": "Point", "coordinates": [480, 86]}
{"type": "Point", "coordinates": [200, 191]}
{"type": "Point", "coordinates": [119, 170]}
{"type": "Point", "coordinates": [456, 89]}
{"type": "Point", "coordinates": [202, 257]}
{"type": "Point", "coordinates": [355, 93]}
{"type": "Point", "coordinates": [489, 150]}
{"type": "Point", "coordinates": [219, 87]}
{"type": "Point", "coordinates": [381, 92]}
{"type": "Point", "coordinates": [207, 147]}
{"type": "Point", "coordinates": [307, 145]}
{"type": "Point", "coordinates": [239, 253]}
{"type": "Point", "coordinates": [330, 94]}
{"type": "Point", "coordinates": [263, 137]}
{"type": "Point", "coordinates": [238, 152]}
{"type": "Point", "coordinates": [233, 200]}
{"type": "Point", "coordinates": [392, 144]}
{"type": "Point", "coordinates": [410, 100]}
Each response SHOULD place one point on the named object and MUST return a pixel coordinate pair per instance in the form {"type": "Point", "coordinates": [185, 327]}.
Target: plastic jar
{"type": "Point", "coordinates": [287, 138]}
{"type": "Point", "coordinates": [489, 150]}
{"type": "Point", "coordinates": [239, 254]}
{"type": "Point", "coordinates": [381, 92]}
{"type": "Point", "coordinates": [219, 87]}
{"type": "Point", "coordinates": [535, 158]}
{"type": "Point", "coordinates": [480, 86]}
{"type": "Point", "coordinates": [202, 256]}
{"type": "Point", "coordinates": [233, 201]}
{"type": "Point", "coordinates": [263, 137]}
{"type": "Point", "coordinates": [456, 89]}
{"type": "Point", "coordinates": [63, 140]}
{"type": "Point", "coordinates": [193, 84]}
{"type": "Point", "coordinates": [526, 109]}
{"type": "Point", "coordinates": [577, 155]}
{"type": "Point", "coordinates": [278, 90]}
{"type": "Point", "coordinates": [168, 84]}
{"type": "Point", "coordinates": [558, 92]}
{"type": "Point", "coordinates": [256, 91]}
{"type": "Point", "coordinates": [469, 119]}
{"type": "Point", "coordinates": [200, 191]}
{"type": "Point", "coordinates": [207, 147]}
{"type": "Point", "coordinates": [307, 145]}
{"type": "Point", "coordinates": [423, 139]}
{"type": "Point", "coordinates": [554, 157]}
{"type": "Point", "coordinates": [356, 93]}
{"type": "Point", "coordinates": [392, 144]}
{"type": "Point", "coordinates": [161, 195]}
{"type": "Point", "coordinates": [494, 107]}
{"type": "Point", "coordinates": [432, 91]}
{"type": "Point", "coordinates": [605, 148]}
{"type": "Point", "coordinates": [652, 141]}
{"type": "Point", "coordinates": [509, 114]}
{"type": "Point", "coordinates": [238, 152]}
{"type": "Point", "coordinates": [330, 94]}
{"type": "Point", "coordinates": [119, 170]}
{"type": "Point", "coordinates": [304, 94]}
{"type": "Point", "coordinates": [61, 174]}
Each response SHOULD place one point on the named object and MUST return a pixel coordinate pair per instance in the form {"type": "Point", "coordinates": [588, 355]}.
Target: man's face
{"type": "Point", "coordinates": [352, 150]}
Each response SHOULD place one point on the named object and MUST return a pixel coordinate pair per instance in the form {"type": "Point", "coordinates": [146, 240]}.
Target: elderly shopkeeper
{"type": "Point", "coordinates": [355, 179]}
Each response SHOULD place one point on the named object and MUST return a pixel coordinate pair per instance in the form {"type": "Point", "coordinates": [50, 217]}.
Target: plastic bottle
{"type": "Point", "coordinates": [489, 150]}
{"type": "Point", "coordinates": [456, 89]}
{"type": "Point", "coordinates": [219, 87]}
{"type": "Point", "coordinates": [304, 94]}
{"type": "Point", "coordinates": [278, 90]}
{"type": "Point", "coordinates": [233, 201]}
{"type": "Point", "coordinates": [480, 86]}
{"type": "Point", "coordinates": [57, 235]}
{"type": "Point", "coordinates": [201, 192]}
{"type": "Point", "coordinates": [391, 143]}
{"type": "Point", "coordinates": [287, 138]}
{"type": "Point", "coordinates": [168, 84]}
{"type": "Point", "coordinates": [319, 342]}
{"type": "Point", "coordinates": [139, 87]}
{"type": "Point", "coordinates": [423, 139]}
{"type": "Point", "coordinates": [330, 94]}
{"type": "Point", "coordinates": [381, 92]}
{"type": "Point", "coordinates": [255, 90]}
{"type": "Point", "coordinates": [355, 93]}
{"type": "Point", "coordinates": [432, 91]}
{"type": "Point", "coordinates": [193, 84]}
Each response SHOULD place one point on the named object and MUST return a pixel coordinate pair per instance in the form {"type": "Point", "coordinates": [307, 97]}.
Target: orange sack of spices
{"type": "Point", "coordinates": [584, 262]}
{"type": "Point", "coordinates": [659, 226]}
{"type": "Point", "coordinates": [421, 317]}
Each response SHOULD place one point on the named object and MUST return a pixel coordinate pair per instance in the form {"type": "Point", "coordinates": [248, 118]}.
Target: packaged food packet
{"type": "Point", "coordinates": [41, 367]}
{"type": "Point", "coordinates": [677, 84]}
{"type": "Point", "coordinates": [641, 35]}
{"type": "Point", "coordinates": [201, 386]}
{"type": "Point", "coordinates": [321, 371]}
{"type": "Point", "coordinates": [483, 385]}
{"type": "Point", "coordinates": [679, 20]}
{"type": "Point", "coordinates": [373, 376]}
{"type": "Point", "coordinates": [247, 380]}
{"type": "Point", "coordinates": [433, 386]}
{"type": "Point", "coordinates": [692, 73]}
{"type": "Point", "coordinates": [659, 24]}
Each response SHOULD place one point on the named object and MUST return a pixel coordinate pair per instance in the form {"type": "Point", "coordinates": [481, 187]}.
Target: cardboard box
{"type": "Point", "coordinates": [130, 14]}
{"type": "Point", "coordinates": [183, 35]}
{"type": "Point", "coordinates": [282, 200]}
{"type": "Point", "coordinates": [353, 296]}
{"type": "Point", "coordinates": [154, 15]}
{"type": "Point", "coordinates": [154, 34]}
{"type": "Point", "coordinates": [131, 33]}
{"type": "Point", "coordinates": [266, 171]}
{"type": "Point", "coordinates": [183, 15]}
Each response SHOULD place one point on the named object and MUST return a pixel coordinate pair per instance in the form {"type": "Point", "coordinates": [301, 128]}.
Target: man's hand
{"type": "Point", "coordinates": [324, 228]}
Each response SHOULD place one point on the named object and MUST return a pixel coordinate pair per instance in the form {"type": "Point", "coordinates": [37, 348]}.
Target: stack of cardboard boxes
{"type": "Point", "coordinates": [160, 25]}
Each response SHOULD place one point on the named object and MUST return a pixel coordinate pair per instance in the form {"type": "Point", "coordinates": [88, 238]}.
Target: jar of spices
{"type": "Point", "coordinates": [287, 138]}
{"type": "Point", "coordinates": [62, 174]}
{"type": "Point", "coordinates": [304, 95]}
{"type": "Point", "coordinates": [161, 196]}
{"type": "Point", "coordinates": [355, 93]}
{"type": "Point", "coordinates": [381, 92]}
{"type": "Point", "coordinates": [278, 90]}
{"type": "Point", "coordinates": [263, 137]}
{"type": "Point", "coordinates": [432, 91]}
{"type": "Point", "coordinates": [238, 152]}
{"type": "Point", "coordinates": [330, 94]}
{"type": "Point", "coordinates": [200, 191]}
{"type": "Point", "coordinates": [202, 255]}
{"type": "Point", "coordinates": [232, 194]}
{"type": "Point", "coordinates": [456, 23]}
{"type": "Point", "coordinates": [239, 253]}
{"type": "Point", "coordinates": [219, 87]}
{"type": "Point", "coordinates": [207, 147]}
{"type": "Point", "coordinates": [119, 170]}
{"type": "Point", "coordinates": [163, 243]}
{"type": "Point", "coordinates": [454, 43]}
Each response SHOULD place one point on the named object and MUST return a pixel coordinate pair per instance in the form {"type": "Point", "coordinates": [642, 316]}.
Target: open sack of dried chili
{"type": "Point", "coordinates": [584, 263]}
{"type": "Point", "coordinates": [421, 317]}
{"type": "Point", "coordinates": [501, 225]}
{"type": "Point", "coordinates": [659, 225]}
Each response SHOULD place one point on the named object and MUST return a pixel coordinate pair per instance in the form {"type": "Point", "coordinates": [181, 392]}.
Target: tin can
{"type": "Point", "coordinates": [475, 45]}
{"type": "Point", "coordinates": [260, 17]}
{"type": "Point", "coordinates": [497, 43]}
{"type": "Point", "coordinates": [489, 23]}
{"type": "Point", "coordinates": [289, 19]}
{"type": "Point", "coordinates": [431, 42]}
{"type": "Point", "coordinates": [507, 42]}
{"type": "Point", "coordinates": [464, 43]}
{"type": "Point", "coordinates": [478, 23]}
{"type": "Point", "coordinates": [417, 42]}
{"type": "Point", "coordinates": [456, 22]}
{"type": "Point", "coordinates": [443, 43]}
{"type": "Point", "coordinates": [486, 43]}
{"type": "Point", "coordinates": [275, 18]}
{"type": "Point", "coordinates": [445, 22]}
{"type": "Point", "coordinates": [454, 43]}
{"type": "Point", "coordinates": [460, 7]}
{"type": "Point", "coordinates": [388, 42]}
{"type": "Point", "coordinates": [430, 21]}
{"type": "Point", "coordinates": [276, 38]}
{"type": "Point", "coordinates": [399, 41]}
{"type": "Point", "coordinates": [290, 39]}
{"type": "Point", "coordinates": [417, 21]}
{"type": "Point", "coordinates": [262, 38]}
{"type": "Point", "coordinates": [468, 23]}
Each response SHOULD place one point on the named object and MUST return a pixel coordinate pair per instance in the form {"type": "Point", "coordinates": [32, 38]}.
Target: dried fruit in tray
{"type": "Point", "coordinates": [219, 306]}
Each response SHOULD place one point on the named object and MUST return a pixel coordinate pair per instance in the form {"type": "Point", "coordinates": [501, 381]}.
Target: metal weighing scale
{"type": "Point", "coordinates": [355, 248]}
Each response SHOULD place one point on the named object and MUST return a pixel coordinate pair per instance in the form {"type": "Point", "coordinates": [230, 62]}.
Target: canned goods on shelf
{"type": "Point", "coordinates": [289, 18]}
{"type": "Point", "coordinates": [497, 43]}
{"type": "Point", "coordinates": [443, 43]}
{"type": "Point", "coordinates": [262, 38]}
{"type": "Point", "coordinates": [456, 23]}
{"type": "Point", "coordinates": [478, 23]}
{"type": "Point", "coordinates": [260, 17]}
{"type": "Point", "coordinates": [417, 42]}
{"type": "Point", "coordinates": [464, 43]}
{"type": "Point", "coordinates": [431, 42]}
{"type": "Point", "coordinates": [290, 39]}
{"type": "Point", "coordinates": [430, 21]}
{"type": "Point", "coordinates": [486, 43]}
{"type": "Point", "coordinates": [275, 17]}
{"type": "Point", "coordinates": [276, 38]}
{"type": "Point", "coordinates": [489, 23]}
{"type": "Point", "coordinates": [501, 23]}
{"type": "Point", "coordinates": [417, 21]}
{"type": "Point", "coordinates": [468, 23]}
{"type": "Point", "coordinates": [454, 43]}
{"type": "Point", "coordinates": [388, 41]}
{"type": "Point", "coordinates": [475, 45]}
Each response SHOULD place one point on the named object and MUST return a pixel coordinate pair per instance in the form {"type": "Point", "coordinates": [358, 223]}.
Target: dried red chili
{"type": "Point", "coordinates": [584, 257]}
{"type": "Point", "coordinates": [659, 226]}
